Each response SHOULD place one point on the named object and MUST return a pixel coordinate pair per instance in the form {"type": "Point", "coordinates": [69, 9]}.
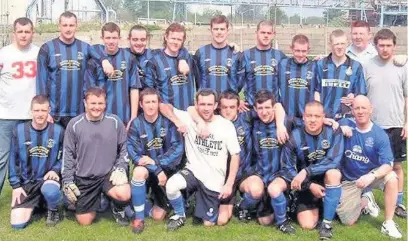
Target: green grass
{"type": "Point", "coordinates": [105, 229]}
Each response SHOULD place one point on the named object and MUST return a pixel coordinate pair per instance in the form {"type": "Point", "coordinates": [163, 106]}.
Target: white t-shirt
{"type": "Point", "coordinates": [207, 158]}
{"type": "Point", "coordinates": [18, 71]}
{"type": "Point", "coordinates": [364, 56]}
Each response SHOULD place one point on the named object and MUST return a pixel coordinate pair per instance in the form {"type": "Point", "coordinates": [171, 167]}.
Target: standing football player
{"type": "Point", "coordinates": [18, 70]}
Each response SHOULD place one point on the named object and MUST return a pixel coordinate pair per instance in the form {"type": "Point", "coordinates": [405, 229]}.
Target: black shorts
{"type": "Point", "coordinates": [207, 202]}
{"type": "Point", "coordinates": [305, 200]}
{"type": "Point", "coordinates": [62, 120]}
{"type": "Point", "coordinates": [235, 189]}
{"type": "Point", "coordinates": [158, 193]}
{"type": "Point", "coordinates": [398, 146]}
{"type": "Point", "coordinates": [34, 196]}
{"type": "Point", "coordinates": [264, 208]}
{"type": "Point", "coordinates": [91, 189]}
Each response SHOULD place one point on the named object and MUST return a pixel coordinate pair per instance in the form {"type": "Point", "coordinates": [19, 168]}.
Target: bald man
{"type": "Point", "coordinates": [367, 162]}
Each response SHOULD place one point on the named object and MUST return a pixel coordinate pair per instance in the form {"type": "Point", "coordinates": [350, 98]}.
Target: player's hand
{"type": "Point", "coordinates": [202, 129]}
{"type": "Point", "coordinates": [404, 132]}
{"type": "Point", "coordinates": [118, 177]}
{"type": "Point", "coordinates": [243, 106]}
{"type": "Point", "coordinates": [50, 119]}
{"type": "Point", "coordinates": [317, 190]}
{"type": "Point", "coordinates": [234, 46]}
{"type": "Point", "coordinates": [348, 100]}
{"type": "Point", "coordinates": [183, 67]}
{"type": "Point", "coordinates": [400, 60]}
{"type": "Point", "coordinates": [296, 183]}
{"type": "Point", "coordinates": [282, 134]}
{"type": "Point", "coordinates": [225, 191]}
{"type": "Point", "coordinates": [108, 68]}
{"type": "Point", "coordinates": [347, 131]}
{"type": "Point", "coordinates": [365, 180]}
{"type": "Point", "coordinates": [181, 127]}
{"type": "Point", "coordinates": [71, 191]}
{"type": "Point", "coordinates": [51, 175]}
{"type": "Point", "coordinates": [146, 160]}
{"type": "Point", "coordinates": [162, 178]}
{"type": "Point", "coordinates": [16, 196]}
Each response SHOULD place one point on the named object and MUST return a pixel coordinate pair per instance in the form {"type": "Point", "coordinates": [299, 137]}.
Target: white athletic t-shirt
{"type": "Point", "coordinates": [18, 71]}
{"type": "Point", "coordinates": [207, 158]}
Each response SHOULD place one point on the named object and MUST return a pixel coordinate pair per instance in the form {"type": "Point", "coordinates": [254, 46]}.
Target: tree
{"type": "Point", "coordinates": [313, 20]}
{"type": "Point", "coordinates": [333, 13]}
{"type": "Point", "coordinates": [295, 19]}
{"type": "Point", "coordinates": [280, 17]}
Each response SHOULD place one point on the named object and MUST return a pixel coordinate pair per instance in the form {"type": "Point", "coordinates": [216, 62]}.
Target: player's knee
{"type": "Point", "coordinates": [397, 167]}
{"type": "Point", "coordinates": [86, 219]}
{"type": "Point", "coordinates": [333, 176]}
{"type": "Point", "coordinates": [256, 191]}
{"type": "Point", "coordinates": [174, 184]}
{"type": "Point", "coordinates": [391, 181]}
{"type": "Point", "coordinates": [208, 223]}
{"type": "Point", "coordinates": [223, 219]}
{"type": "Point", "coordinates": [120, 193]}
{"type": "Point", "coordinates": [265, 221]}
{"type": "Point", "coordinates": [51, 190]}
{"type": "Point", "coordinates": [307, 224]}
{"type": "Point", "coordinates": [274, 191]}
{"type": "Point", "coordinates": [140, 173]}
{"type": "Point", "coordinates": [158, 215]}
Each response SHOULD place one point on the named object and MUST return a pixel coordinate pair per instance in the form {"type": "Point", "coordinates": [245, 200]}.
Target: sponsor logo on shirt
{"type": "Point", "coordinates": [336, 83]}
{"type": "Point", "coordinates": [268, 143]}
{"type": "Point", "coordinates": [356, 156]}
{"type": "Point", "coordinates": [218, 70]}
{"type": "Point", "coordinates": [156, 143]}
{"type": "Point", "coordinates": [38, 151]}
{"type": "Point", "coordinates": [263, 70]}
{"type": "Point", "coordinates": [70, 64]}
{"type": "Point", "coordinates": [316, 155]}
{"type": "Point", "coordinates": [297, 83]}
{"type": "Point", "coordinates": [178, 80]}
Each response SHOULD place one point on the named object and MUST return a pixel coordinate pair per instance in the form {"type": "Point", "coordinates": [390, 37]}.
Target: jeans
{"type": "Point", "coordinates": [6, 130]}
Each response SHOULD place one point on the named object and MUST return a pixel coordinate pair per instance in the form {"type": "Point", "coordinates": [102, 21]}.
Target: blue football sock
{"type": "Point", "coordinates": [19, 226]}
{"type": "Point", "coordinates": [279, 207]}
{"type": "Point", "coordinates": [248, 202]}
{"type": "Point", "coordinates": [148, 208]}
{"type": "Point", "coordinates": [330, 202]}
{"type": "Point", "coordinates": [138, 197]}
{"type": "Point", "coordinates": [400, 198]}
{"type": "Point", "coordinates": [178, 205]}
{"type": "Point", "coordinates": [52, 194]}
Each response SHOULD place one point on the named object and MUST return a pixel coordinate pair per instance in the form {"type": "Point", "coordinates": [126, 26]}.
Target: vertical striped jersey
{"type": "Point", "coordinates": [34, 152]}
{"type": "Point", "coordinates": [217, 68]}
{"type": "Point", "coordinates": [174, 88]}
{"type": "Point", "coordinates": [334, 82]}
{"type": "Point", "coordinates": [260, 71]}
{"type": "Point", "coordinates": [159, 140]}
{"type": "Point", "coordinates": [297, 85]}
{"type": "Point", "coordinates": [60, 74]}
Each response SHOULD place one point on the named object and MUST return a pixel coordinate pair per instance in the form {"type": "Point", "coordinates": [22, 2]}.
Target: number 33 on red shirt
{"type": "Point", "coordinates": [24, 69]}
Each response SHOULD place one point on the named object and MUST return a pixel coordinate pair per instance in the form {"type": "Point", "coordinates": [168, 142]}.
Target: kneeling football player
{"type": "Point", "coordinates": [157, 149]}
{"type": "Point", "coordinates": [95, 160]}
{"type": "Point", "coordinates": [35, 165]}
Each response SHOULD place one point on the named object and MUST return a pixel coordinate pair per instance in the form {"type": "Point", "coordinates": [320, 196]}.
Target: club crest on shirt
{"type": "Point", "coordinates": [163, 132]}
{"type": "Point", "coordinates": [349, 71]}
{"type": "Point", "coordinates": [123, 65]}
{"type": "Point", "coordinates": [229, 62]}
{"type": "Point", "coordinates": [325, 144]}
{"type": "Point", "coordinates": [80, 56]}
{"type": "Point", "coordinates": [50, 143]}
{"type": "Point", "coordinates": [369, 141]}
{"type": "Point", "coordinates": [274, 63]}
{"type": "Point", "coordinates": [309, 75]}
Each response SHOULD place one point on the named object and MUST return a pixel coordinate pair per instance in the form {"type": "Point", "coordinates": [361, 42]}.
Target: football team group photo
{"type": "Point", "coordinates": [218, 136]}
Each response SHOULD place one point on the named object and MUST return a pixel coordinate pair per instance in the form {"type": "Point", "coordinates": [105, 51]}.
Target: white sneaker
{"type": "Point", "coordinates": [372, 207]}
{"type": "Point", "coordinates": [391, 229]}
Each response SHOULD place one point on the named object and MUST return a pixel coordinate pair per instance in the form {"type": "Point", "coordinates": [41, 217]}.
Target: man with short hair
{"type": "Point", "coordinates": [361, 48]}
{"type": "Point", "coordinates": [217, 63]}
{"type": "Point", "coordinates": [388, 92]}
{"type": "Point", "coordinates": [260, 65]}
{"type": "Point", "coordinates": [35, 165]}
{"type": "Point", "coordinates": [156, 149]}
{"type": "Point", "coordinates": [296, 80]}
{"type": "Point", "coordinates": [18, 69]}
{"type": "Point", "coordinates": [310, 162]}
{"type": "Point", "coordinates": [339, 78]}
{"type": "Point", "coordinates": [61, 69]}
{"type": "Point", "coordinates": [122, 88]}
{"type": "Point", "coordinates": [162, 70]}
{"type": "Point", "coordinates": [367, 162]}
{"type": "Point", "coordinates": [95, 160]}
{"type": "Point", "coordinates": [206, 166]}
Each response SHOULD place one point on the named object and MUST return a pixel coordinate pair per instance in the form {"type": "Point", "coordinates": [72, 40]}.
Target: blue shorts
{"type": "Point", "coordinates": [207, 202]}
